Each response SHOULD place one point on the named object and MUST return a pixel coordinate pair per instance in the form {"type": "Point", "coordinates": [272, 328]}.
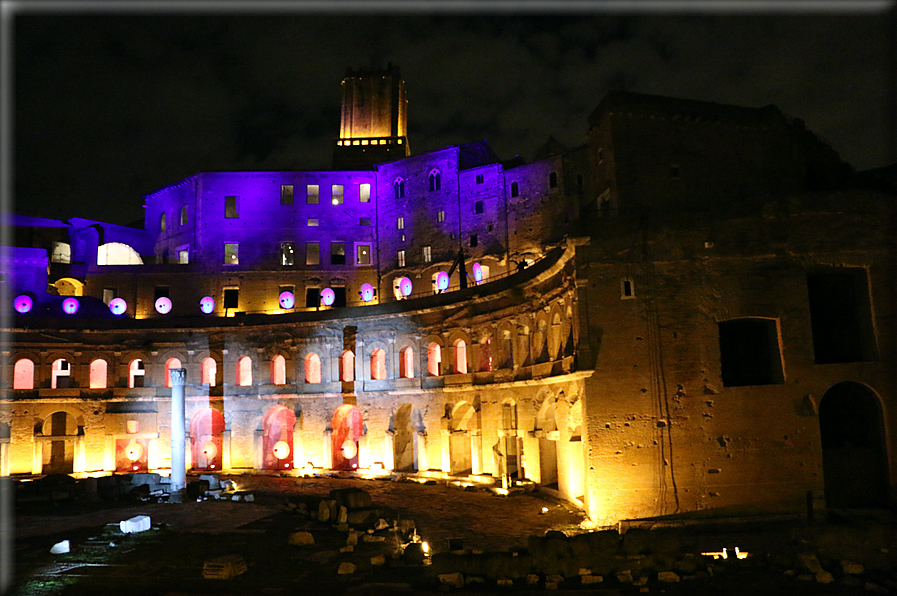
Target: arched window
{"type": "Point", "coordinates": [170, 364]}
{"type": "Point", "coordinates": [162, 223]}
{"type": "Point", "coordinates": [435, 180]}
{"type": "Point", "coordinates": [515, 189]}
{"type": "Point", "coordinates": [347, 366]}
{"type": "Point", "coordinates": [486, 354]}
{"type": "Point", "coordinates": [209, 371]}
{"type": "Point", "coordinates": [279, 370]}
{"type": "Point", "coordinates": [116, 253]}
{"type": "Point", "coordinates": [136, 373]}
{"type": "Point", "coordinates": [61, 372]}
{"type": "Point", "coordinates": [23, 375]}
{"type": "Point", "coordinates": [98, 374]}
{"type": "Point", "coordinates": [434, 358]}
{"type": "Point", "coordinates": [460, 357]}
{"type": "Point", "coordinates": [378, 365]}
{"type": "Point", "coordinates": [313, 368]}
{"type": "Point", "coordinates": [244, 371]}
{"type": "Point", "coordinates": [406, 363]}
{"type": "Point", "coordinates": [399, 188]}
{"type": "Point", "coordinates": [184, 215]}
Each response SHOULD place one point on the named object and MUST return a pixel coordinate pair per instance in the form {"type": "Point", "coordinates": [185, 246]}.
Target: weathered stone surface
{"type": "Point", "coordinates": [636, 541]}
{"type": "Point", "coordinates": [378, 560]}
{"type": "Point", "coordinates": [301, 538]}
{"type": "Point", "coordinates": [347, 549]}
{"type": "Point", "coordinates": [362, 517]}
{"type": "Point", "coordinates": [346, 568]}
{"type": "Point", "coordinates": [532, 579]}
{"type": "Point", "coordinates": [60, 548]}
{"type": "Point", "coordinates": [504, 582]}
{"type": "Point", "coordinates": [824, 577]}
{"type": "Point", "coordinates": [591, 579]}
{"type": "Point", "coordinates": [851, 568]}
{"type": "Point", "coordinates": [351, 498]}
{"type": "Point", "coordinates": [667, 577]}
{"type": "Point", "coordinates": [455, 580]}
{"type": "Point", "coordinates": [342, 515]}
{"type": "Point", "coordinates": [323, 511]}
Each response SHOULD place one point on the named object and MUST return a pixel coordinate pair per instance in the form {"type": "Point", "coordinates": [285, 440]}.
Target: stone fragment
{"type": "Point", "coordinates": [591, 579]}
{"type": "Point", "coordinates": [347, 549]}
{"type": "Point", "coordinates": [378, 560]}
{"type": "Point", "coordinates": [668, 577]}
{"type": "Point", "coordinates": [351, 498]}
{"type": "Point", "coordinates": [414, 553]}
{"type": "Point", "coordinates": [346, 568]}
{"type": "Point", "coordinates": [625, 577]}
{"type": "Point", "coordinates": [640, 581]}
{"type": "Point", "coordinates": [555, 579]}
{"type": "Point", "coordinates": [301, 538]}
{"type": "Point", "coordinates": [370, 538]}
{"type": "Point", "coordinates": [474, 579]}
{"type": "Point", "coordinates": [504, 582]}
{"type": "Point", "coordinates": [551, 586]}
{"type": "Point", "coordinates": [824, 577]}
{"type": "Point", "coordinates": [323, 511]}
{"type": "Point", "coordinates": [249, 498]}
{"type": "Point", "coordinates": [226, 567]}
{"type": "Point", "coordinates": [60, 548]}
{"type": "Point", "coordinates": [851, 568]}
{"type": "Point", "coordinates": [352, 538]}
{"type": "Point", "coordinates": [343, 515]}
{"type": "Point", "coordinates": [532, 579]}
{"type": "Point", "coordinates": [382, 524]}
{"type": "Point", "coordinates": [585, 571]}
{"type": "Point", "coordinates": [454, 580]}
{"type": "Point", "coordinates": [138, 523]}
{"type": "Point", "coordinates": [809, 562]}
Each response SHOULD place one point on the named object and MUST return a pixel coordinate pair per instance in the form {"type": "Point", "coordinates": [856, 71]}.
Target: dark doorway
{"type": "Point", "coordinates": [853, 456]}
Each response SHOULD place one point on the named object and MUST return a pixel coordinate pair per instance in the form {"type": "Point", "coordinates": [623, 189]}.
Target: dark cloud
{"type": "Point", "coordinates": [111, 107]}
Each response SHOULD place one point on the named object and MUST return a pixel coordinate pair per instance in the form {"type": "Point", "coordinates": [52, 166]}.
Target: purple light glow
{"type": "Point", "coordinates": [477, 273]}
{"type": "Point", "coordinates": [118, 306]}
{"type": "Point", "coordinates": [327, 297]}
{"type": "Point", "coordinates": [163, 305]}
{"type": "Point", "coordinates": [70, 306]}
{"type": "Point", "coordinates": [207, 304]}
{"type": "Point", "coordinates": [23, 303]}
{"type": "Point", "coordinates": [442, 281]}
{"type": "Point", "coordinates": [405, 286]}
{"type": "Point", "coordinates": [287, 300]}
{"type": "Point", "coordinates": [367, 292]}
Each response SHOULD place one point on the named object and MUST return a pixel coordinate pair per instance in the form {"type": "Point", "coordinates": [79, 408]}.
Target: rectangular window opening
{"type": "Point", "coordinates": [231, 253]}
{"type": "Point", "coordinates": [841, 316]}
{"type": "Point", "coordinates": [337, 253]}
{"type": "Point", "coordinates": [312, 253]}
{"type": "Point", "coordinates": [311, 194]}
{"type": "Point", "coordinates": [364, 193]}
{"type": "Point", "coordinates": [287, 253]}
{"type": "Point", "coordinates": [231, 298]}
{"type": "Point", "coordinates": [363, 254]}
{"type": "Point", "coordinates": [336, 194]}
{"type": "Point", "coordinates": [230, 208]}
{"type": "Point", "coordinates": [286, 194]}
{"type": "Point", "coordinates": [750, 353]}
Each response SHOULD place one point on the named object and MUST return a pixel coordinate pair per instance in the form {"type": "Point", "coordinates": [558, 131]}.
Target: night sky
{"type": "Point", "coordinates": [112, 106]}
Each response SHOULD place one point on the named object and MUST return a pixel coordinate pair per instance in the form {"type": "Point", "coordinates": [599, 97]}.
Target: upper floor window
{"type": "Point", "coordinates": [515, 189]}
{"type": "Point", "coordinates": [399, 188]}
{"type": "Point", "coordinates": [244, 372]}
{"type": "Point", "coordinates": [336, 194]}
{"type": "Point", "coordinates": [312, 368]}
{"type": "Point", "coordinates": [287, 253]}
{"type": "Point", "coordinates": [311, 194]}
{"type": "Point", "coordinates": [428, 254]}
{"type": "Point", "coordinates": [286, 194]}
{"type": "Point", "coordinates": [440, 216]}
{"type": "Point", "coordinates": [750, 353]}
{"type": "Point", "coordinates": [479, 178]}
{"type": "Point", "coordinates": [378, 365]}
{"type": "Point", "coordinates": [435, 180]}
{"type": "Point", "coordinates": [278, 370]}
{"type": "Point", "coordinates": [312, 222]}
{"type": "Point", "coordinates": [184, 215]}
{"type": "Point", "coordinates": [230, 208]}
{"type": "Point", "coordinates": [364, 193]}
{"type": "Point", "coordinates": [478, 207]}
{"type": "Point", "coordinates": [400, 223]}
{"type": "Point", "coordinates": [337, 253]}
{"type": "Point", "coordinates": [231, 253]}
{"type": "Point", "coordinates": [841, 315]}
{"type": "Point", "coordinates": [364, 221]}
{"type": "Point", "coordinates": [312, 253]}
{"type": "Point", "coordinates": [136, 373]}
{"type": "Point", "coordinates": [23, 375]}
{"type": "Point", "coordinates": [401, 257]}
{"type": "Point", "coordinates": [363, 254]}
{"type": "Point", "coordinates": [553, 180]}
{"type": "Point", "coordinates": [162, 223]}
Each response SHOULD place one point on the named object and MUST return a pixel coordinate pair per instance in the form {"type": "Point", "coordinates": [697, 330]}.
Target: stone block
{"type": "Point", "coordinates": [636, 541]}
{"type": "Point", "coordinates": [226, 567]}
{"type": "Point", "coordinates": [591, 579]}
{"type": "Point", "coordinates": [60, 548]}
{"type": "Point", "coordinates": [352, 538]}
{"type": "Point", "coordinates": [362, 517]}
{"type": "Point", "coordinates": [454, 580]}
{"type": "Point", "coordinates": [378, 560]}
{"type": "Point", "coordinates": [824, 577]}
{"type": "Point", "coordinates": [532, 579]}
{"type": "Point", "coordinates": [809, 562]}
{"type": "Point", "coordinates": [504, 582]}
{"type": "Point", "coordinates": [212, 479]}
{"type": "Point", "coordinates": [324, 511]}
{"type": "Point", "coordinates": [851, 568]}
{"type": "Point", "coordinates": [346, 568]}
{"type": "Point", "coordinates": [351, 498]}
{"type": "Point", "coordinates": [138, 523]}
{"type": "Point", "coordinates": [554, 579]}
{"type": "Point", "coordinates": [301, 538]}
{"type": "Point", "coordinates": [474, 579]}
{"type": "Point", "coordinates": [342, 515]}
{"type": "Point", "coordinates": [196, 489]}
{"type": "Point", "coordinates": [667, 577]}
{"type": "Point", "coordinates": [347, 549]}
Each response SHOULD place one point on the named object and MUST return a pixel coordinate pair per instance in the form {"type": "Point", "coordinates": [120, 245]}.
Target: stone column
{"type": "Point", "coordinates": [178, 435]}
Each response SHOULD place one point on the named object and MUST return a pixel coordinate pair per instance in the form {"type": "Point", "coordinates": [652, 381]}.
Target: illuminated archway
{"type": "Point", "coordinates": [59, 452]}
{"type": "Point", "coordinates": [378, 364]}
{"type": "Point", "coordinates": [244, 371]}
{"type": "Point", "coordinates": [347, 427]}
{"type": "Point", "coordinates": [277, 438]}
{"type": "Point", "coordinates": [23, 374]}
{"type": "Point", "coordinates": [98, 370]}
{"type": "Point", "coordinates": [206, 431]}
{"type": "Point", "coordinates": [313, 368]}
{"type": "Point", "coordinates": [209, 371]}
{"type": "Point", "coordinates": [117, 253]}
{"type": "Point", "coordinates": [461, 452]}
{"type": "Point", "coordinates": [406, 363]}
{"type": "Point", "coordinates": [405, 425]}
{"type": "Point", "coordinates": [69, 286]}
{"type": "Point", "coordinates": [278, 370]}
{"type": "Point", "coordinates": [171, 363]}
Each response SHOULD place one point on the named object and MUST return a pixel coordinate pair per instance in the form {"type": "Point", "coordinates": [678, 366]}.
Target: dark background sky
{"type": "Point", "coordinates": [111, 106]}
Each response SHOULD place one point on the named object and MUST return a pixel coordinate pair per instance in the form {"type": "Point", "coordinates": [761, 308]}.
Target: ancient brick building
{"type": "Point", "coordinates": [691, 311]}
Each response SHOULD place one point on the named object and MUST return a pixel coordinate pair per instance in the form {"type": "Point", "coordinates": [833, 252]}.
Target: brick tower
{"type": "Point", "coordinates": [373, 124]}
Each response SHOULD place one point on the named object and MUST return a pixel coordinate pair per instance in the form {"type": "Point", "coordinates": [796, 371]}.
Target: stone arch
{"type": "Point", "coordinates": [406, 362]}
{"type": "Point", "coordinates": [63, 427]}
{"type": "Point", "coordinates": [406, 424]}
{"type": "Point", "coordinates": [854, 456]}
{"type": "Point", "coordinates": [523, 353]}
{"type": "Point", "coordinates": [547, 432]}
{"type": "Point", "coordinates": [459, 352]}
{"type": "Point", "coordinates": [23, 374]}
{"type": "Point", "coordinates": [277, 438]}
{"type": "Point", "coordinates": [243, 373]}
{"type": "Point", "coordinates": [135, 369]}
{"type": "Point", "coordinates": [556, 320]}
{"type": "Point", "coordinates": [117, 253]}
{"type": "Point", "coordinates": [171, 363]}
{"type": "Point", "coordinates": [485, 347]}
{"type": "Point", "coordinates": [209, 370]}
{"type": "Point", "coordinates": [435, 356]}
{"type": "Point", "coordinates": [69, 286]}
{"type": "Point", "coordinates": [503, 346]}
{"type": "Point", "coordinates": [278, 370]}
{"type": "Point", "coordinates": [347, 366]}
{"type": "Point", "coordinates": [463, 431]}
{"type": "Point", "coordinates": [509, 446]}
{"type": "Point", "coordinates": [206, 438]}
{"type": "Point", "coordinates": [540, 338]}
{"type": "Point", "coordinates": [61, 374]}
{"type": "Point", "coordinates": [98, 377]}
{"type": "Point", "coordinates": [347, 427]}
{"type": "Point", "coordinates": [312, 368]}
